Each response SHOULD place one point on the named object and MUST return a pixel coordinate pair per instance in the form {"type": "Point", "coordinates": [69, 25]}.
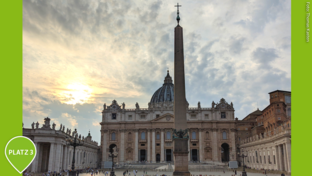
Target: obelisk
{"type": "Point", "coordinates": [180, 137]}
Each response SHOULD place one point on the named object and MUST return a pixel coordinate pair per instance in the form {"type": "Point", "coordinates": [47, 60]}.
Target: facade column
{"type": "Point", "coordinates": [285, 157]}
{"type": "Point", "coordinates": [136, 148]}
{"type": "Point", "coordinates": [148, 145]}
{"type": "Point", "coordinates": [51, 157]}
{"type": "Point", "coordinates": [104, 147]}
{"type": "Point", "coordinates": [153, 147]}
{"type": "Point", "coordinates": [288, 152]}
{"type": "Point", "coordinates": [34, 167]}
{"type": "Point", "coordinates": [233, 153]}
{"type": "Point", "coordinates": [122, 145]}
{"type": "Point", "coordinates": [200, 146]}
{"type": "Point", "coordinates": [162, 146]}
{"type": "Point", "coordinates": [214, 145]}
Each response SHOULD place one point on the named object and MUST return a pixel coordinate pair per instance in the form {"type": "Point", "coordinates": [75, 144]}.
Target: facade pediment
{"type": "Point", "coordinates": [164, 118]}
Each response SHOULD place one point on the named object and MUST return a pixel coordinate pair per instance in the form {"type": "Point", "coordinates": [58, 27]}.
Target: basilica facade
{"type": "Point", "coordinates": [145, 134]}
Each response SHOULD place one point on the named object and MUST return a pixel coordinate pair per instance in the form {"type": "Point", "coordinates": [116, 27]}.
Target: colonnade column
{"type": "Point", "coordinates": [136, 148]}
{"type": "Point", "coordinates": [280, 161]}
{"type": "Point", "coordinates": [34, 167]}
{"type": "Point", "coordinates": [162, 145]}
{"type": "Point", "coordinates": [51, 157]}
{"type": "Point", "coordinates": [276, 157]}
{"type": "Point", "coordinates": [288, 152]}
{"type": "Point", "coordinates": [200, 146]}
{"type": "Point", "coordinates": [153, 147]}
{"type": "Point", "coordinates": [285, 157]}
{"type": "Point", "coordinates": [148, 145]}
{"type": "Point", "coordinates": [122, 145]}
{"type": "Point", "coordinates": [65, 158]}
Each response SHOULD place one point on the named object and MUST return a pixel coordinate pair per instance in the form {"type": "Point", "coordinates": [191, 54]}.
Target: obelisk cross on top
{"type": "Point", "coordinates": [178, 18]}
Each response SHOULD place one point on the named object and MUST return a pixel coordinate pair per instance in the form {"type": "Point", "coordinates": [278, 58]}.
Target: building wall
{"type": "Point", "coordinates": [273, 151]}
{"type": "Point", "coordinates": [129, 124]}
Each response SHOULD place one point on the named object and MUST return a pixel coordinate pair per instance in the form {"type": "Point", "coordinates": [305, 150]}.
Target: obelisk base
{"type": "Point", "coordinates": [181, 157]}
{"type": "Point", "coordinates": [72, 173]}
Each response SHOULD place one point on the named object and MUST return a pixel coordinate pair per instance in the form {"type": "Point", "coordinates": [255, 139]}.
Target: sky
{"type": "Point", "coordinates": [80, 54]}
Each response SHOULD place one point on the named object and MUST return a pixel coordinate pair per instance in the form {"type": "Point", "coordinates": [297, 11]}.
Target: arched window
{"type": "Point", "coordinates": [157, 136]}
{"type": "Point", "coordinates": [223, 135]}
{"type": "Point", "coordinates": [129, 137]}
{"type": "Point", "coordinates": [168, 135]}
{"type": "Point", "coordinates": [193, 135]}
{"type": "Point", "coordinates": [113, 136]}
{"type": "Point", "coordinates": [143, 135]}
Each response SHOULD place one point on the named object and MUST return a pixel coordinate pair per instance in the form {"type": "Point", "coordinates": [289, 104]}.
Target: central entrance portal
{"type": "Point", "coordinates": [142, 155]}
{"type": "Point", "coordinates": [225, 154]}
{"type": "Point", "coordinates": [168, 155]}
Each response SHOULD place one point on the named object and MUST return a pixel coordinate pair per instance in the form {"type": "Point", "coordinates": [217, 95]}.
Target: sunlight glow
{"type": "Point", "coordinates": [77, 93]}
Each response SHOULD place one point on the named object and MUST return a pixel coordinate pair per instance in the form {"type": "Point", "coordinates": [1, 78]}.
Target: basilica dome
{"type": "Point", "coordinates": [164, 93]}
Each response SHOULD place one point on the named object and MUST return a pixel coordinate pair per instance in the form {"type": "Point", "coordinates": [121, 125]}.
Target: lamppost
{"type": "Point", "coordinates": [111, 151]}
{"type": "Point", "coordinates": [73, 142]}
{"type": "Point", "coordinates": [243, 156]}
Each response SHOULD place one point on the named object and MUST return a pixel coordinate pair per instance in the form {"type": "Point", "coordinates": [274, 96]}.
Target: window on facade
{"type": "Point", "coordinates": [223, 115]}
{"type": "Point", "coordinates": [264, 159]}
{"type": "Point", "coordinates": [130, 117]}
{"type": "Point", "coordinates": [143, 135]}
{"type": "Point", "coordinates": [193, 116]}
{"type": "Point", "coordinates": [168, 135]}
{"type": "Point", "coordinates": [239, 139]}
{"type": "Point", "coordinates": [114, 116]}
{"type": "Point", "coordinates": [260, 159]}
{"type": "Point", "coordinates": [194, 144]}
{"type": "Point", "coordinates": [223, 135]}
{"type": "Point", "coordinates": [113, 136]}
{"type": "Point", "coordinates": [157, 144]}
{"type": "Point", "coordinates": [207, 135]}
{"type": "Point", "coordinates": [287, 99]}
{"type": "Point", "coordinates": [142, 144]}
{"type": "Point", "coordinates": [257, 157]}
{"type": "Point", "coordinates": [278, 110]}
{"type": "Point", "coordinates": [157, 115]}
{"type": "Point", "coordinates": [288, 112]}
{"type": "Point", "coordinates": [129, 136]}
{"type": "Point", "coordinates": [206, 116]}
{"type": "Point", "coordinates": [142, 116]}
{"type": "Point", "coordinates": [193, 135]}
{"type": "Point", "coordinates": [157, 136]}
{"type": "Point", "coordinates": [269, 159]}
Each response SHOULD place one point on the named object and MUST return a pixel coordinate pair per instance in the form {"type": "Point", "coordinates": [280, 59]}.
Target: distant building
{"type": "Point", "coordinates": [267, 142]}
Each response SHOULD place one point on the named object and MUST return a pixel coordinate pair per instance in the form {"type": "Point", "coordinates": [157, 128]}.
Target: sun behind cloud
{"type": "Point", "coordinates": [77, 93]}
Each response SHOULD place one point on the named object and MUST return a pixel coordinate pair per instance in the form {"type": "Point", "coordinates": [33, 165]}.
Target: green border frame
{"type": "Point", "coordinates": [11, 71]}
{"type": "Point", "coordinates": [11, 81]}
{"type": "Point", "coordinates": [301, 62]}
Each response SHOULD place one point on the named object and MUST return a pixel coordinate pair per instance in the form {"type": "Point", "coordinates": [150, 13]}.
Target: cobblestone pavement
{"type": "Point", "coordinates": [153, 173]}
